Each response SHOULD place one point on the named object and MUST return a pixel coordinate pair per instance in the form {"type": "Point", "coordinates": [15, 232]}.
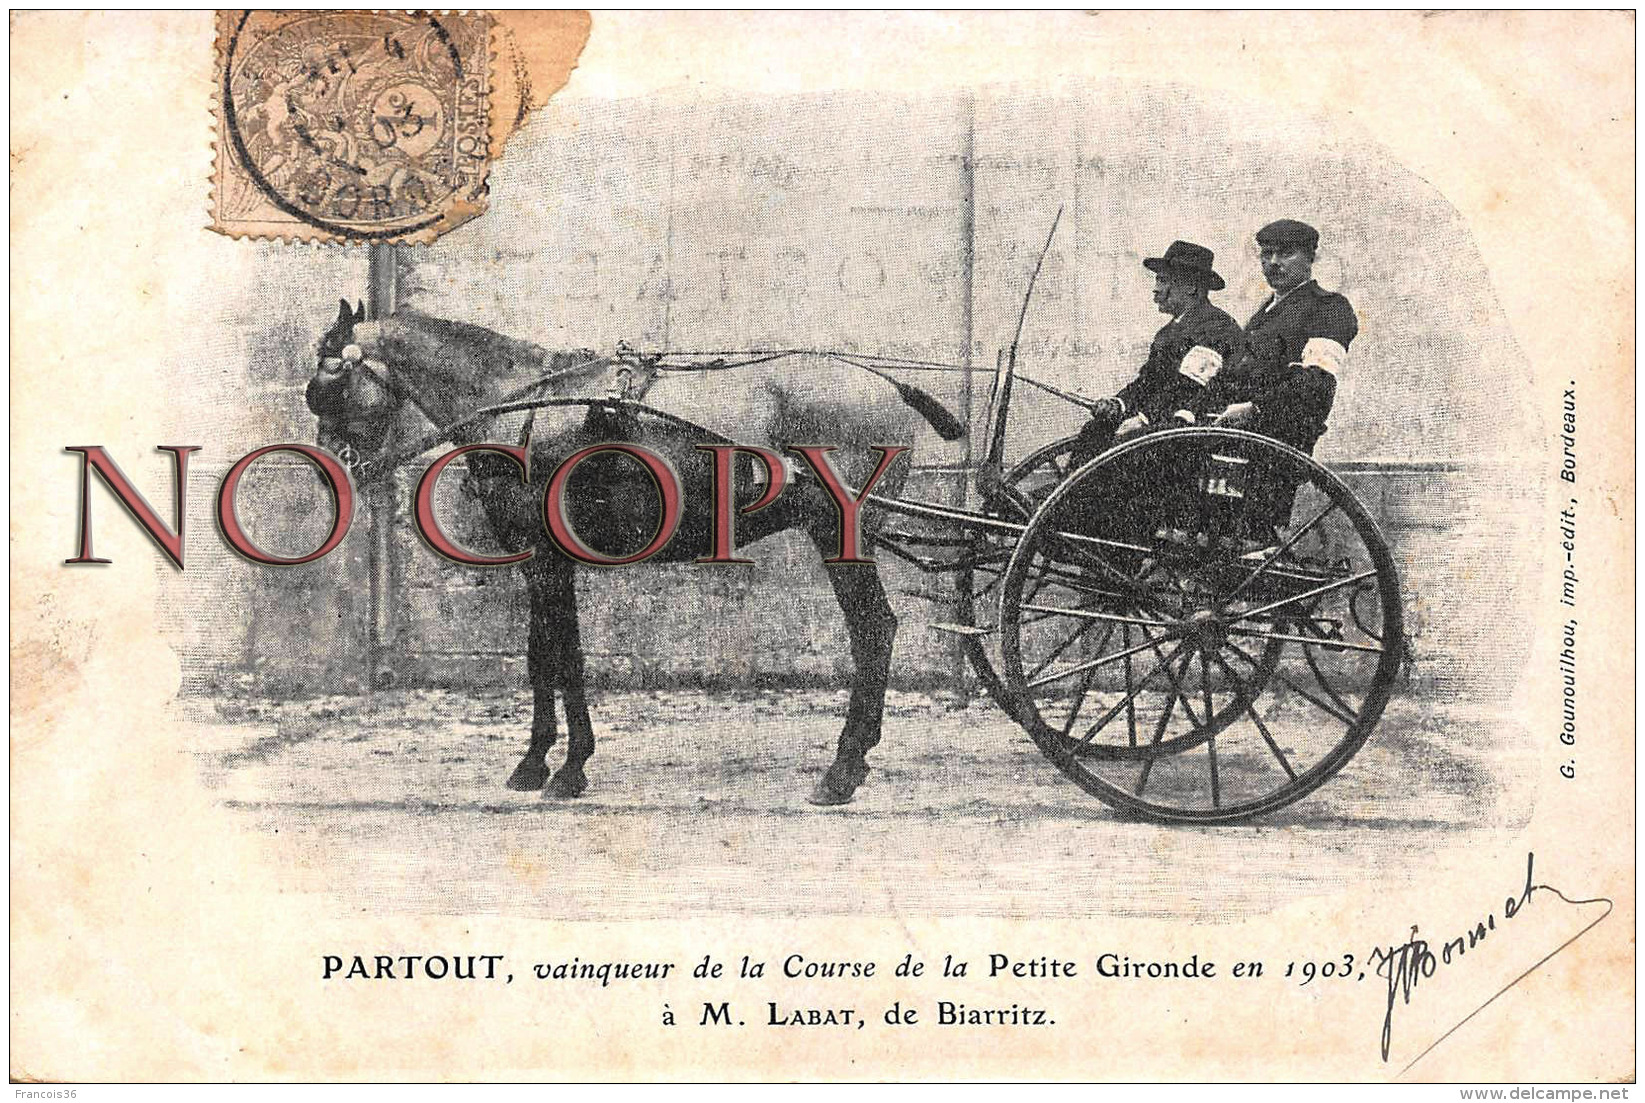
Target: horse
{"type": "Point", "coordinates": [370, 372]}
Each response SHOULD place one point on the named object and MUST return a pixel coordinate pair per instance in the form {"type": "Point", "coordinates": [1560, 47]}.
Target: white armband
{"type": "Point", "coordinates": [1201, 364]}
{"type": "Point", "coordinates": [1324, 354]}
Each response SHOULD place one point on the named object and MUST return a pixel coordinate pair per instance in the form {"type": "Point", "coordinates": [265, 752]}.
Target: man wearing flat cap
{"type": "Point", "coordinates": [1283, 381]}
{"type": "Point", "coordinates": [1186, 355]}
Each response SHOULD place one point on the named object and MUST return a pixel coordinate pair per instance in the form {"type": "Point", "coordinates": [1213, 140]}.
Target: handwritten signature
{"type": "Point", "coordinates": [1406, 966]}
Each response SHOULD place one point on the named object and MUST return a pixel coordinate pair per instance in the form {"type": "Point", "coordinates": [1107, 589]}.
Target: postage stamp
{"type": "Point", "coordinates": [350, 126]}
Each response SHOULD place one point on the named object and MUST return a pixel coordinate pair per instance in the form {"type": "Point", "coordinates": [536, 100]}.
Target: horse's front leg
{"type": "Point", "coordinates": [569, 780]}
{"type": "Point", "coordinates": [541, 663]}
{"type": "Point", "coordinates": [873, 629]}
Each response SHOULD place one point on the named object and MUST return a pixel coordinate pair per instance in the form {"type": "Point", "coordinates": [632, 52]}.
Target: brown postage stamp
{"type": "Point", "coordinates": [350, 126]}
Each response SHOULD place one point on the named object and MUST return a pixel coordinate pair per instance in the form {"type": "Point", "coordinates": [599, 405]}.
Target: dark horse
{"type": "Point", "coordinates": [370, 371]}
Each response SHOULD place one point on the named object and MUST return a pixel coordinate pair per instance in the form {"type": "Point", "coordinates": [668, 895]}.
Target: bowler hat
{"type": "Point", "coordinates": [1288, 231]}
{"type": "Point", "coordinates": [1186, 258]}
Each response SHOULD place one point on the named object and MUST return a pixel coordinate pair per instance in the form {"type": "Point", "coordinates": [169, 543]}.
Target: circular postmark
{"type": "Point", "coordinates": [364, 125]}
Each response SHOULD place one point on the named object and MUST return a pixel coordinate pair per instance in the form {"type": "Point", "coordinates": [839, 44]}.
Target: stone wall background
{"type": "Point", "coordinates": [838, 221]}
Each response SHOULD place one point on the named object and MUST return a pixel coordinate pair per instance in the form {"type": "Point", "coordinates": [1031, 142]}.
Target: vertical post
{"type": "Point", "coordinates": [382, 498]}
{"type": "Point", "coordinates": [968, 257]}
{"type": "Point", "coordinates": [964, 580]}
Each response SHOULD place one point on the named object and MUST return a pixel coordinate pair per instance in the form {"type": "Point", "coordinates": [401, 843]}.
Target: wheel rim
{"type": "Point", "coordinates": [1184, 647]}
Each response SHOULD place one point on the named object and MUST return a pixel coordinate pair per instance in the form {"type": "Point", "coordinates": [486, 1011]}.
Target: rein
{"type": "Point", "coordinates": [721, 362]}
{"type": "Point", "coordinates": [387, 460]}
{"type": "Point", "coordinates": [367, 469]}
{"type": "Point", "coordinates": [513, 401]}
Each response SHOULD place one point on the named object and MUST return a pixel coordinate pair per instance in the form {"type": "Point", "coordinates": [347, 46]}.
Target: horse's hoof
{"type": "Point", "coordinates": [836, 786]}
{"type": "Point", "coordinates": [527, 778]}
{"type": "Point", "coordinates": [567, 783]}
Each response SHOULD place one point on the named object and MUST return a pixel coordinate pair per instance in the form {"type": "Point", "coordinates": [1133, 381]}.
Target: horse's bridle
{"type": "Point", "coordinates": [352, 359]}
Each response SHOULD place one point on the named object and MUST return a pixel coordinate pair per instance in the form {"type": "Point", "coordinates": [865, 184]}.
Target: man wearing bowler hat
{"type": "Point", "coordinates": [1186, 355]}
{"type": "Point", "coordinates": [1283, 381]}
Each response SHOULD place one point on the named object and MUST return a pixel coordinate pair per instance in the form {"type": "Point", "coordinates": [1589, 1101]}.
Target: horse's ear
{"type": "Point", "coordinates": [345, 315]}
{"type": "Point", "coordinates": [359, 312]}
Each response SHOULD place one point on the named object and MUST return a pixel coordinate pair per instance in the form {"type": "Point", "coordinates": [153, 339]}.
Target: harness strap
{"type": "Point", "coordinates": [368, 469]}
{"type": "Point", "coordinates": [530, 420]}
{"type": "Point", "coordinates": [390, 460]}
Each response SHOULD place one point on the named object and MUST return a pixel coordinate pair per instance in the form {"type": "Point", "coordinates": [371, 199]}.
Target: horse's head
{"type": "Point", "coordinates": [350, 393]}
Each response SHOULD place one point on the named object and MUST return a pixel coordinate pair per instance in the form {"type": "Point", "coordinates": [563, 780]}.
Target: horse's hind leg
{"type": "Point", "coordinates": [873, 629]}
{"type": "Point", "coordinates": [541, 663]}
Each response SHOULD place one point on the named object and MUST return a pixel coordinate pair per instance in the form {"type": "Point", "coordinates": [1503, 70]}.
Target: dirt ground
{"type": "Point", "coordinates": [697, 805]}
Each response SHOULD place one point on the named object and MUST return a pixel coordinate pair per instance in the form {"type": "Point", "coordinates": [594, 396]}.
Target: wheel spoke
{"type": "Point", "coordinates": [1178, 677]}
{"type": "Point", "coordinates": [1216, 788]}
{"type": "Point", "coordinates": [1304, 596]}
{"type": "Point", "coordinates": [1069, 642]}
{"type": "Point", "coordinates": [1246, 698]}
{"type": "Point", "coordinates": [1284, 547]}
{"type": "Point", "coordinates": [1205, 687]}
{"type": "Point", "coordinates": [1175, 679]}
{"type": "Point", "coordinates": [1090, 675]}
{"type": "Point", "coordinates": [1039, 584]}
{"type": "Point", "coordinates": [1092, 614]}
{"type": "Point", "coordinates": [1091, 665]}
{"type": "Point", "coordinates": [1325, 683]}
{"type": "Point", "coordinates": [1131, 696]}
{"type": "Point", "coordinates": [1130, 691]}
{"type": "Point", "coordinates": [1079, 702]}
{"type": "Point", "coordinates": [1345, 716]}
{"type": "Point", "coordinates": [1211, 743]}
{"type": "Point", "coordinates": [1307, 641]}
{"type": "Point", "coordinates": [1159, 729]}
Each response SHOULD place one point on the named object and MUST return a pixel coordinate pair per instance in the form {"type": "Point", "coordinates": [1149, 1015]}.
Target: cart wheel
{"type": "Point", "coordinates": [1022, 488]}
{"type": "Point", "coordinates": [1200, 625]}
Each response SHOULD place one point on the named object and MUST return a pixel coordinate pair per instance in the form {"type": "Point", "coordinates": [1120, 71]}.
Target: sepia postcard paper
{"type": "Point", "coordinates": [813, 547]}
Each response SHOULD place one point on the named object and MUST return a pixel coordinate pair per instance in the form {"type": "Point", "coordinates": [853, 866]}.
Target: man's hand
{"type": "Point", "coordinates": [1107, 409]}
{"type": "Point", "coordinates": [1237, 416]}
{"type": "Point", "coordinates": [1131, 426]}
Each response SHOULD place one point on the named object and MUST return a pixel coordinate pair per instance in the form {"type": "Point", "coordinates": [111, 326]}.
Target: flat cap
{"type": "Point", "coordinates": [1288, 231]}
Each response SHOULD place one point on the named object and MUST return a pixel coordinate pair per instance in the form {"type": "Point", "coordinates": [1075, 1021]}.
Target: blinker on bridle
{"type": "Point", "coordinates": [353, 359]}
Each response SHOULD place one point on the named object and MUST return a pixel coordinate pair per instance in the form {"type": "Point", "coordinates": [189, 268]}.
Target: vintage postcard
{"type": "Point", "coordinates": [1061, 546]}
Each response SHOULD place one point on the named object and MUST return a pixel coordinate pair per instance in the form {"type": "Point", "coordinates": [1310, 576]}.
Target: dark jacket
{"type": "Point", "coordinates": [1293, 397]}
{"type": "Point", "coordinates": [1160, 388]}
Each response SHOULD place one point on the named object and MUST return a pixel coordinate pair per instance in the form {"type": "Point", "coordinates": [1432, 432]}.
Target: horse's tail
{"type": "Point", "coordinates": [945, 423]}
